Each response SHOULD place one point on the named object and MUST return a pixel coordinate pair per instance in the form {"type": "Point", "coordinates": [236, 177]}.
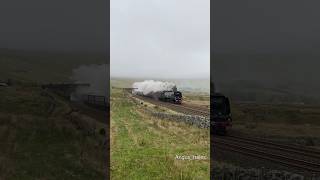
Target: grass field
{"type": "Point", "coordinates": [284, 124]}
{"type": "Point", "coordinates": [144, 147]}
{"type": "Point", "coordinates": [279, 122]}
{"type": "Point", "coordinates": [201, 99]}
{"type": "Point", "coordinates": [39, 139]}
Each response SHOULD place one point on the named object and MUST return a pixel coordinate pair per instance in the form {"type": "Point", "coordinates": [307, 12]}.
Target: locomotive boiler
{"type": "Point", "coordinates": [171, 96]}
{"type": "Point", "coordinates": [221, 114]}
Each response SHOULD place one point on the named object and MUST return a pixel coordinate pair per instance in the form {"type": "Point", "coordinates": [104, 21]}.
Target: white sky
{"type": "Point", "coordinates": [160, 38]}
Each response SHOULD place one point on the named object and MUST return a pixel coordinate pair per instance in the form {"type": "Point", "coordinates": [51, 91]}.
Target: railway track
{"type": "Point", "coordinates": [179, 108]}
{"type": "Point", "coordinates": [302, 159]}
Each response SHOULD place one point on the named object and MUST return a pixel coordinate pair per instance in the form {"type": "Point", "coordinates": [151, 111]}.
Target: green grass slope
{"type": "Point", "coordinates": [39, 140]}
{"type": "Point", "coordinates": [144, 147]}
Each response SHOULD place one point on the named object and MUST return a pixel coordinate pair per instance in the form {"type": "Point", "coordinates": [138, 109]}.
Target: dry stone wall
{"type": "Point", "coordinates": [198, 121]}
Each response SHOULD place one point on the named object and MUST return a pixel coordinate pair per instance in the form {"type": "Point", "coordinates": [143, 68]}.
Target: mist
{"type": "Point", "coordinates": [268, 77]}
{"type": "Point", "coordinates": [96, 76]}
{"type": "Point", "coordinates": [266, 51]}
{"type": "Point", "coordinates": [73, 25]}
{"type": "Point", "coordinates": [160, 39]}
{"type": "Point", "coordinates": [259, 26]}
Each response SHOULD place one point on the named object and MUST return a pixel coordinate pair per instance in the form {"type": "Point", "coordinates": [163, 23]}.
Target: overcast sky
{"type": "Point", "coordinates": [160, 38]}
{"type": "Point", "coordinates": [62, 25]}
{"type": "Point", "coordinates": [272, 26]}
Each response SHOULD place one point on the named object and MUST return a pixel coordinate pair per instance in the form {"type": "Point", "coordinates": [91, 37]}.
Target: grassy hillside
{"type": "Point", "coordinates": [43, 66]}
{"type": "Point", "coordinates": [144, 147]}
{"type": "Point", "coordinates": [39, 140]}
{"type": "Point", "coordinates": [291, 123]}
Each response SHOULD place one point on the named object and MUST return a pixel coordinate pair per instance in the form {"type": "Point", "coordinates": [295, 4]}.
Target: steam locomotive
{"type": "Point", "coordinates": [221, 114]}
{"type": "Point", "coordinates": [173, 96]}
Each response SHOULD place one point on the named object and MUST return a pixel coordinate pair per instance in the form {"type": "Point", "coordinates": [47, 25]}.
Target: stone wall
{"type": "Point", "coordinates": [198, 121]}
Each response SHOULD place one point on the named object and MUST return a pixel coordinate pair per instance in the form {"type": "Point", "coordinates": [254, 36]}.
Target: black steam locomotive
{"type": "Point", "coordinates": [166, 96]}
{"type": "Point", "coordinates": [220, 114]}
{"type": "Point", "coordinates": [171, 96]}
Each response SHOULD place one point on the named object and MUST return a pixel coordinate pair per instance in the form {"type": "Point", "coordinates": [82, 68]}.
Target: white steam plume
{"type": "Point", "coordinates": [150, 87]}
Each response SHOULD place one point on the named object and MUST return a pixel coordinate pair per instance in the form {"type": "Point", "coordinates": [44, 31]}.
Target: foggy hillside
{"type": "Point", "coordinates": [95, 75]}
{"type": "Point", "coordinates": [268, 77]}
{"type": "Point", "coordinates": [44, 66]}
